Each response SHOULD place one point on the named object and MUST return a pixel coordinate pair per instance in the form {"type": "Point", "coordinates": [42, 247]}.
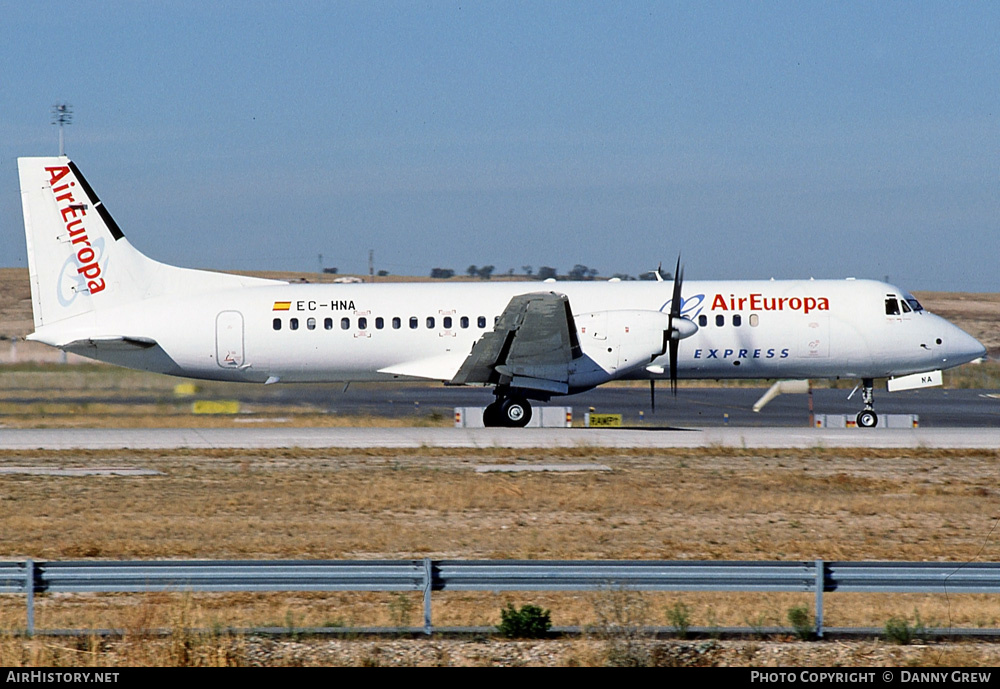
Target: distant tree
{"type": "Point", "coordinates": [331, 271]}
{"type": "Point", "coordinates": [442, 273]}
{"type": "Point", "coordinates": [527, 270]}
{"type": "Point", "coordinates": [582, 272]}
{"type": "Point", "coordinates": [472, 271]}
{"type": "Point", "coordinates": [485, 272]}
{"type": "Point", "coordinates": [623, 276]}
{"type": "Point", "coordinates": [382, 273]}
{"type": "Point", "coordinates": [546, 273]}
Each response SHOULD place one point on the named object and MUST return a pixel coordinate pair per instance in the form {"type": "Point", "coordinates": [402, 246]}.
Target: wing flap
{"type": "Point", "coordinates": [531, 346]}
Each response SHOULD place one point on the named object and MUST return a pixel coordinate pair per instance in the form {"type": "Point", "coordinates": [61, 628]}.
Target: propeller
{"type": "Point", "coordinates": [675, 315]}
{"type": "Point", "coordinates": [680, 327]}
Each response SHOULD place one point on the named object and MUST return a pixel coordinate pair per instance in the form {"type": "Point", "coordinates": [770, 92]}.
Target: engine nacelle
{"type": "Point", "coordinates": [615, 343]}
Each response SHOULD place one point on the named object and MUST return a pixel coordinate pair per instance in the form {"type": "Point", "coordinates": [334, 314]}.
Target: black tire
{"type": "Point", "coordinates": [867, 419]}
{"type": "Point", "coordinates": [515, 412]}
{"type": "Point", "coordinates": [492, 416]}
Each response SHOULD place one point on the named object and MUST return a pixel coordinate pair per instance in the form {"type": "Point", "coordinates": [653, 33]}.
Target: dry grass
{"type": "Point", "coordinates": [975, 313]}
{"type": "Point", "coordinates": [664, 504]}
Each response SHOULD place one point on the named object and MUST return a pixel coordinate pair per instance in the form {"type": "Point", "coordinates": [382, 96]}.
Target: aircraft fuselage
{"type": "Point", "coordinates": [351, 332]}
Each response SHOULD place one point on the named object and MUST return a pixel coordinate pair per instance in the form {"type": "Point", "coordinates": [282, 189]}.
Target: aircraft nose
{"type": "Point", "coordinates": [962, 347]}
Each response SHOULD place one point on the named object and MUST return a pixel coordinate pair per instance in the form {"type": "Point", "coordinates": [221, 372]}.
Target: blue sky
{"type": "Point", "coordinates": [756, 139]}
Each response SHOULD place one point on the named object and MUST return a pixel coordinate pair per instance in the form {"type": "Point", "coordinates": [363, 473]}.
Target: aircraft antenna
{"type": "Point", "coordinates": [62, 114]}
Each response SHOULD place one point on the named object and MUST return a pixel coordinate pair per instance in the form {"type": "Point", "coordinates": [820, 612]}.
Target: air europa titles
{"type": "Point", "coordinates": [73, 212]}
{"type": "Point", "coordinates": [758, 302]}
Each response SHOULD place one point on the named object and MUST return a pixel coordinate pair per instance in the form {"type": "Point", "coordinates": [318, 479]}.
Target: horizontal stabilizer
{"type": "Point", "coordinates": [110, 344]}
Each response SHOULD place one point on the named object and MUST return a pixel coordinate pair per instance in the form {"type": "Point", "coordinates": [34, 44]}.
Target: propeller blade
{"type": "Point", "coordinates": [675, 314]}
{"type": "Point", "coordinates": [673, 366]}
{"type": "Point", "coordinates": [675, 302]}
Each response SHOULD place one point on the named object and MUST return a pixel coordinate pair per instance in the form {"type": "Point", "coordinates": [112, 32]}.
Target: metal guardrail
{"type": "Point", "coordinates": [30, 578]}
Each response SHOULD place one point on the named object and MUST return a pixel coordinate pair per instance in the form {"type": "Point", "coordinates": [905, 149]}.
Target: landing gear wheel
{"type": "Point", "coordinates": [867, 419]}
{"type": "Point", "coordinates": [515, 412]}
{"type": "Point", "coordinates": [492, 416]}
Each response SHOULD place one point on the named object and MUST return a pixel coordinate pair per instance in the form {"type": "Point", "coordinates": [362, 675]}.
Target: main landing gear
{"type": "Point", "coordinates": [513, 412]}
{"type": "Point", "coordinates": [867, 418]}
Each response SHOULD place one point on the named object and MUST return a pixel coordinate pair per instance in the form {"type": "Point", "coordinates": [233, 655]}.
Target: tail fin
{"type": "Point", "coordinates": [78, 258]}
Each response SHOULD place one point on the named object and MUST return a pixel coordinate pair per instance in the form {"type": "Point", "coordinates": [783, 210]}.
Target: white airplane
{"type": "Point", "coordinates": [94, 294]}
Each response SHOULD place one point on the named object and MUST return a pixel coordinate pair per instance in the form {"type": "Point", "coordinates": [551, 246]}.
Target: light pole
{"type": "Point", "coordinates": [62, 114]}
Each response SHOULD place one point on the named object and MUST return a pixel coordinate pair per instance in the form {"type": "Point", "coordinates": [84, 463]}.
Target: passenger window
{"type": "Point", "coordinates": [345, 323]}
{"type": "Point", "coordinates": [328, 323]}
{"type": "Point", "coordinates": [293, 323]}
{"type": "Point", "coordinates": [481, 321]}
{"type": "Point", "coordinates": [464, 321]}
{"type": "Point", "coordinates": [703, 320]}
{"type": "Point", "coordinates": [754, 320]}
{"type": "Point", "coordinates": [447, 322]}
{"type": "Point", "coordinates": [737, 320]}
{"type": "Point", "coordinates": [276, 324]}
{"type": "Point", "coordinates": [379, 323]}
{"type": "Point", "coordinates": [362, 323]}
{"type": "Point", "coordinates": [430, 321]}
{"type": "Point", "coordinates": [396, 323]}
{"type": "Point", "coordinates": [311, 323]}
{"type": "Point", "coordinates": [496, 319]}
{"type": "Point", "coordinates": [720, 320]}
{"type": "Point", "coordinates": [891, 306]}
{"type": "Point", "coordinates": [414, 322]}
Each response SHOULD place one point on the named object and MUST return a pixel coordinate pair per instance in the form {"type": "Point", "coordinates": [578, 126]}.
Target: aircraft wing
{"type": "Point", "coordinates": [434, 368]}
{"type": "Point", "coordinates": [531, 346]}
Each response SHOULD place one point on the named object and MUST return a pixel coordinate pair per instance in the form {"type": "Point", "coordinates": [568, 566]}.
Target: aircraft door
{"type": "Point", "coordinates": [229, 352]}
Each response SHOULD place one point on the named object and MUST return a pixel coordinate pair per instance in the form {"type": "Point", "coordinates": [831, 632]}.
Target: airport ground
{"type": "Point", "coordinates": [707, 503]}
{"type": "Point", "coordinates": [685, 503]}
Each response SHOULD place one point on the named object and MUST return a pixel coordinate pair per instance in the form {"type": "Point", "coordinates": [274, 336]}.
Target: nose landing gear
{"type": "Point", "coordinates": [867, 418]}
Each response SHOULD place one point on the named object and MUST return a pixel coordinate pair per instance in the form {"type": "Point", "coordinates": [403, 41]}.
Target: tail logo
{"type": "Point", "coordinates": [89, 273]}
{"type": "Point", "coordinates": [71, 280]}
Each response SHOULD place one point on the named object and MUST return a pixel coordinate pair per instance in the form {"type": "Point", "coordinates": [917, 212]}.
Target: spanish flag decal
{"type": "Point", "coordinates": [282, 306]}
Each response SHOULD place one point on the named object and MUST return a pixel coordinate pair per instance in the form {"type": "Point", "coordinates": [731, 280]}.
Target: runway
{"type": "Point", "coordinates": [692, 407]}
{"type": "Point", "coordinates": [484, 438]}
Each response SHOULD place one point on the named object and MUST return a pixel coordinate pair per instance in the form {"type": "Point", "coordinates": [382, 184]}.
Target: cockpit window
{"type": "Point", "coordinates": [908, 299]}
{"type": "Point", "coordinates": [906, 307]}
{"type": "Point", "coordinates": [891, 305]}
